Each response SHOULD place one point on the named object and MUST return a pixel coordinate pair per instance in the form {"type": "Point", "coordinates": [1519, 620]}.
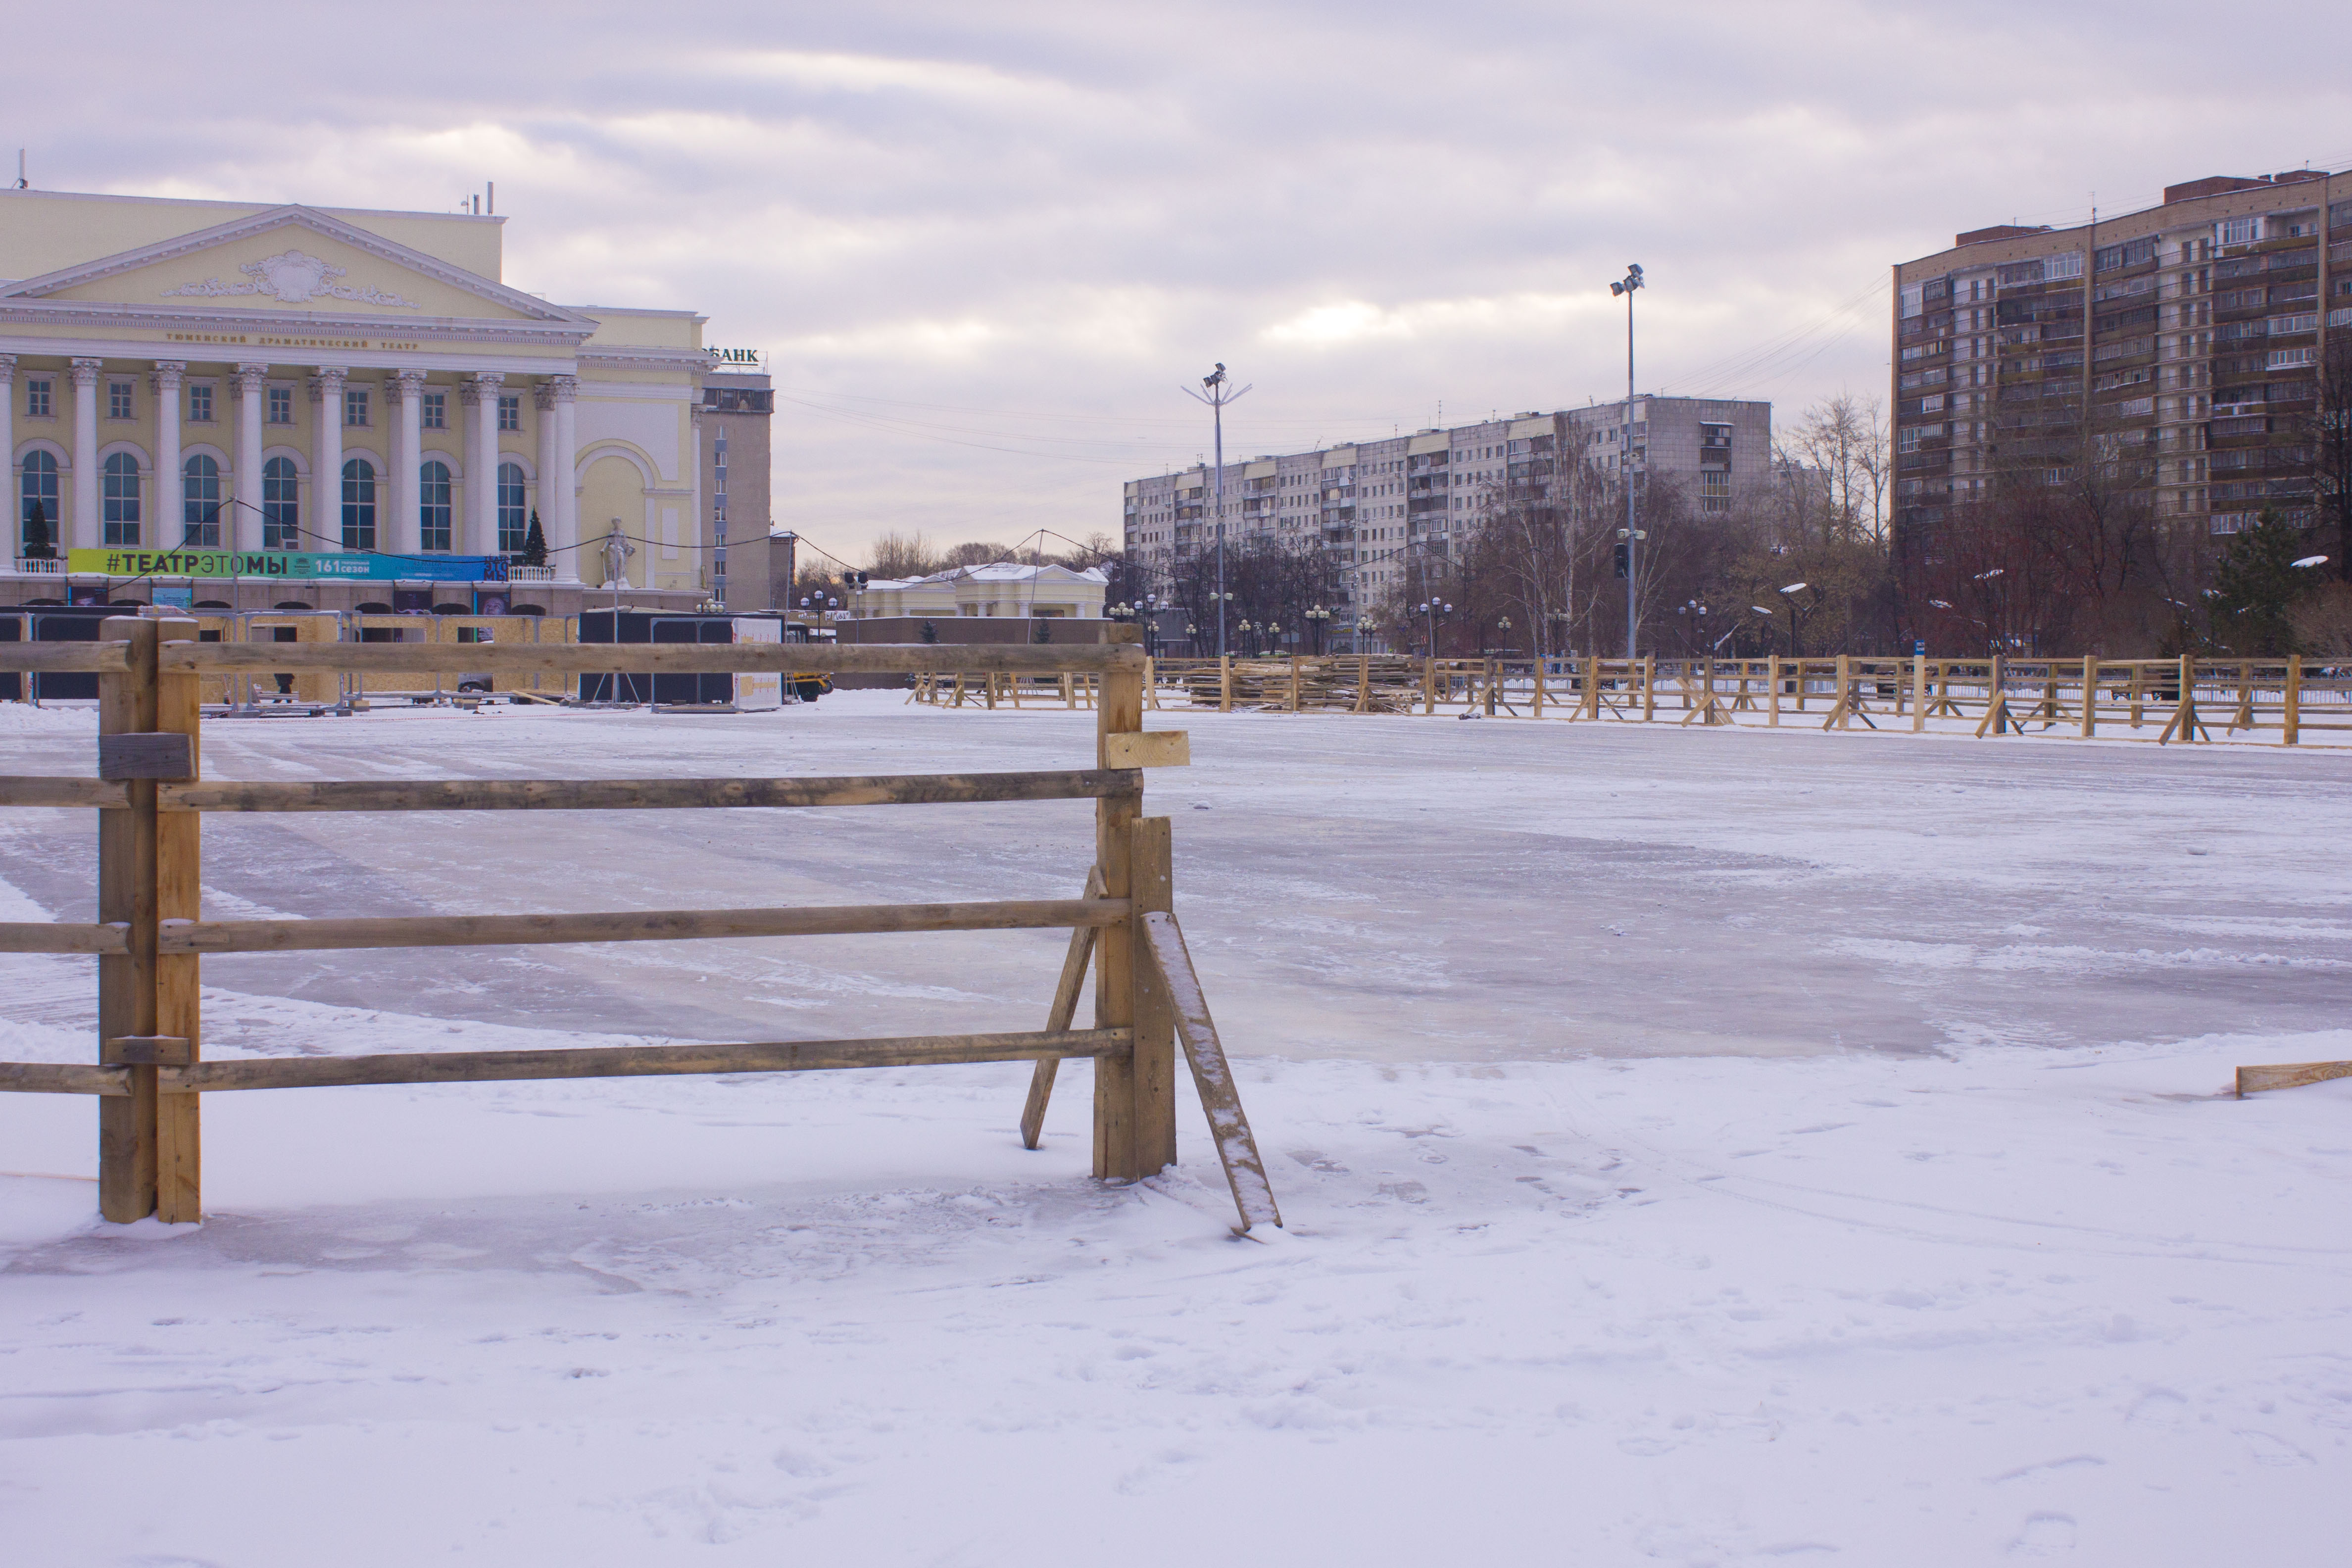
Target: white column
{"type": "Point", "coordinates": [326, 524]}
{"type": "Point", "coordinates": [166, 506]}
{"type": "Point", "coordinates": [85, 534]}
{"type": "Point", "coordinates": [481, 396]}
{"type": "Point", "coordinates": [405, 391]}
{"type": "Point", "coordinates": [565, 536]}
{"type": "Point", "coordinates": [543, 400]}
{"type": "Point", "coordinates": [15, 500]}
{"type": "Point", "coordinates": [244, 533]}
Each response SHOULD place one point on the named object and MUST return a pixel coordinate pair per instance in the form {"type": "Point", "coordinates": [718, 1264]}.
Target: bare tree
{"type": "Point", "coordinates": [2327, 431]}
{"type": "Point", "coordinates": [899, 556]}
{"type": "Point", "coordinates": [1843, 441]}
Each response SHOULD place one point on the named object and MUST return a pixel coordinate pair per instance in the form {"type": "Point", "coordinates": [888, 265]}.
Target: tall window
{"type": "Point", "coordinates": [433, 410]}
{"type": "Point", "coordinates": [37, 398]}
{"type": "Point", "coordinates": [359, 504]}
{"type": "Point", "coordinates": [355, 406]}
{"type": "Point", "coordinates": [200, 503]}
{"type": "Point", "coordinates": [281, 405]}
{"type": "Point", "coordinates": [38, 489]}
{"type": "Point", "coordinates": [433, 505]}
{"type": "Point", "coordinates": [118, 400]}
{"type": "Point", "coordinates": [200, 403]}
{"type": "Point", "coordinates": [510, 413]}
{"type": "Point", "coordinates": [120, 503]}
{"type": "Point", "coordinates": [280, 521]}
{"type": "Point", "coordinates": [514, 523]}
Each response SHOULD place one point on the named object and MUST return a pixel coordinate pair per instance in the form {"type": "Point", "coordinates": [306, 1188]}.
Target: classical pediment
{"type": "Point", "coordinates": [289, 259]}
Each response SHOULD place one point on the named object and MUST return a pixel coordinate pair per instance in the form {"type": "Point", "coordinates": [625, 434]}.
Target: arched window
{"type": "Point", "coordinates": [281, 527]}
{"type": "Point", "coordinates": [433, 506]}
{"type": "Point", "coordinates": [120, 503]}
{"type": "Point", "coordinates": [513, 522]}
{"type": "Point", "coordinates": [359, 504]}
{"type": "Point", "coordinates": [200, 503]}
{"type": "Point", "coordinates": [38, 493]}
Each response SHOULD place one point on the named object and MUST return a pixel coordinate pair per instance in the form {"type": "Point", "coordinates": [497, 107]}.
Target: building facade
{"type": "Point", "coordinates": [251, 406]}
{"type": "Point", "coordinates": [1382, 507]}
{"type": "Point", "coordinates": [2183, 339]}
{"type": "Point", "coordinates": [1003, 588]}
{"type": "Point", "coordinates": [738, 404]}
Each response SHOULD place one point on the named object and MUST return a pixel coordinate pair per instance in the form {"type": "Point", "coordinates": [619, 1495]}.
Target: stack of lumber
{"type": "Point", "coordinates": [1332, 681]}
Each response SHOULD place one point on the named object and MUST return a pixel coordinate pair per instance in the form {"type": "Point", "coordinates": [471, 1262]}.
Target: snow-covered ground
{"type": "Point", "coordinates": [1697, 1147]}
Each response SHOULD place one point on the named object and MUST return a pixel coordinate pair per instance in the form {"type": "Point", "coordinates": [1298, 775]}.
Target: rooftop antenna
{"type": "Point", "coordinates": [493, 202]}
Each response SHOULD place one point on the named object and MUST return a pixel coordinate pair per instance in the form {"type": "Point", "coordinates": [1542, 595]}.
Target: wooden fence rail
{"type": "Point", "coordinates": [2289, 699]}
{"type": "Point", "coordinates": [150, 937]}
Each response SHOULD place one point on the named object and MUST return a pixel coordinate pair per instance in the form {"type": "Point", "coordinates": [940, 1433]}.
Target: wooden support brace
{"type": "Point", "coordinates": [1150, 748]}
{"type": "Point", "coordinates": [1211, 1075]}
{"type": "Point", "coordinates": [2289, 1075]}
{"type": "Point", "coordinates": [1057, 1018]}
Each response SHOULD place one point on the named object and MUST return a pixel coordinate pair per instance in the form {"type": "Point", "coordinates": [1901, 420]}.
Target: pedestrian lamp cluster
{"type": "Point", "coordinates": [1430, 610]}
{"type": "Point", "coordinates": [1318, 617]}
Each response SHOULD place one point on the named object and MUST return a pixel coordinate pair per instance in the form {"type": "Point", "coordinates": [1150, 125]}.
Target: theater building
{"type": "Point", "coordinates": [247, 407]}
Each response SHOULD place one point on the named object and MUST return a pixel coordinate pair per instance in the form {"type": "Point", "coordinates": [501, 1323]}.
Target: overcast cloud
{"type": "Point", "coordinates": [983, 244]}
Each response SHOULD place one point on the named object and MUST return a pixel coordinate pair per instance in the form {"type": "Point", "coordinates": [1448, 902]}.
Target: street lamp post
{"type": "Point", "coordinates": [1625, 286]}
{"type": "Point", "coordinates": [1796, 622]}
{"type": "Point", "coordinates": [1316, 617]}
{"type": "Point", "coordinates": [1220, 393]}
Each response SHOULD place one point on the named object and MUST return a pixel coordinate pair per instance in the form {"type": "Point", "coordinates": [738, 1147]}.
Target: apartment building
{"type": "Point", "coordinates": [738, 405]}
{"type": "Point", "coordinates": [2189, 332]}
{"type": "Point", "coordinates": [1381, 507]}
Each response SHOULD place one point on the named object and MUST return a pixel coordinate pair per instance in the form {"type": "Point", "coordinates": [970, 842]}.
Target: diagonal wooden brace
{"type": "Point", "coordinates": [1057, 1019]}
{"type": "Point", "coordinates": [1228, 1125]}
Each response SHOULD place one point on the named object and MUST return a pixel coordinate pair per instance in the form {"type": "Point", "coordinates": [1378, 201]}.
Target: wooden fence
{"type": "Point", "coordinates": [149, 1076]}
{"type": "Point", "coordinates": [2288, 699]}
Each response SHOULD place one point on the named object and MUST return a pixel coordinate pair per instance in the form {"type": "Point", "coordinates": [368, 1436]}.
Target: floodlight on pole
{"type": "Point", "coordinates": [1625, 286]}
{"type": "Point", "coordinates": [1220, 393]}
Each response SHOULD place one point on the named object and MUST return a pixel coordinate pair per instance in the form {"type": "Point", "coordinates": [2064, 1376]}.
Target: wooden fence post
{"type": "Point", "coordinates": [1918, 693]}
{"type": "Point", "coordinates": [1772, 704]}
{"type": "Point", "coordinates": [1649, 686]}
{"type": "Point", "coordinates": [1152, 1066]}
{"type": "Point", "coordinates": [1293, 683]}
{"type": "Point", "coordinates": [179, 882]}
{"type": "Point", "coordinates": [2290, 719]}
{"type": "Point", "coordinates": [1492, 664]}
{"type": "Point", "coordinates": [1119, 1151]}
{"type": "Point", "coordinates": [1845, 694]}
{"type": "Point", "coordinates": [126, 894]}
{"type": "Point", "coordinates": [2090, 694]}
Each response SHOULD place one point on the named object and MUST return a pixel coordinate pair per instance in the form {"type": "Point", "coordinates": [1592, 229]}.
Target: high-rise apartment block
{"type": "Point", "coordinates": [2188, 333]}
{"type": "Point", "coordinates": [1380, 506]}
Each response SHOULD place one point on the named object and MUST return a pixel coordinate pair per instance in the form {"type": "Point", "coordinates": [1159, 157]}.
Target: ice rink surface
{"type": "Point", "coordinates": [1698, 1147]}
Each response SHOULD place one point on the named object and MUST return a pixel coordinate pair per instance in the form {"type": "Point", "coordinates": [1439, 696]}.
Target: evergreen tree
{"type": "Point", "coordinates": [2254, 587]}
{"type": "Point", "coordinates": [37, 535]}
{"type": "Point", "coordinates": [930, 633]}
{"type": "Point", "coordinates": [534, 545]}
{"type": "Point", "coordinates": [1041, 630]}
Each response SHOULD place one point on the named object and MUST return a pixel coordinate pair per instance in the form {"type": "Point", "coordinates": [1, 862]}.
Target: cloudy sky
{"type": "Point", "coordinates": [983, 245]}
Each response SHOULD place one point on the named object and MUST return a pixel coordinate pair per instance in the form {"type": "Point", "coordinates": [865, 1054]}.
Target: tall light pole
{"type": "Point", "coordinates": [1630, 282]}
{"type": "Point", "coordinates": [1221, 392]}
